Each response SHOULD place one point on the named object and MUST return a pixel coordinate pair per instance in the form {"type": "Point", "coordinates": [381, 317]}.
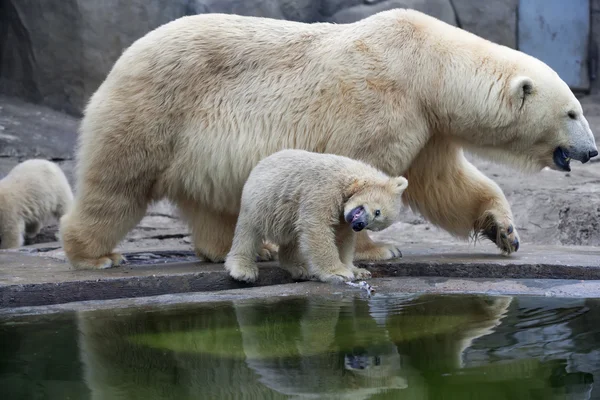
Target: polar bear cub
{"type": "Point", "coordinates": [33, 192]}
{"type": "Point", "coordinates": [311, 205]}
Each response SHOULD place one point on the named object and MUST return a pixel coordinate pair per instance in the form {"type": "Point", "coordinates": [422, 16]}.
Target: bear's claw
{"type": "Point", "coordinates": [507, 239]}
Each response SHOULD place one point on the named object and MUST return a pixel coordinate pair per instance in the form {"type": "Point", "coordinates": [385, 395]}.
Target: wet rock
{"type": "Point", "coordinates": [493, 20]}
{"type": "Point", "coordinates": [441, 9]}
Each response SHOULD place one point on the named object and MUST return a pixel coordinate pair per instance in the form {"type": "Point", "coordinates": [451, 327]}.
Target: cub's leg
{"type": "Point", "coordinates": [318, 246]}
{"type": "Point", "coordinates": [241, 260]}
{"type": "Point", "coordinates": [291, 260]}
{"type": "Point", "coordinates": [452, 193]}
{"type": "Point", "coordinates": [346, 240]}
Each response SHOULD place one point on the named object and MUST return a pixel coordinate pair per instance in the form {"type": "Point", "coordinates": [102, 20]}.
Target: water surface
{"type": "Point", "coordinates": [385, 347]}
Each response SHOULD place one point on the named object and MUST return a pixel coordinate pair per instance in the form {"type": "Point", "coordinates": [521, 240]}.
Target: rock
{"type": "Point", "coordinates": [493, 20]}
{"type": "Point", "coordinates": [441, 9]}
{"type": "Point", "coordinates": [330, 7]}
{"type": "Point", "coordinates": [30, 131]}
{"type": "Point", "coordinates": [58, 53]}
{"type": "Point", "coordinates": [294, 10]}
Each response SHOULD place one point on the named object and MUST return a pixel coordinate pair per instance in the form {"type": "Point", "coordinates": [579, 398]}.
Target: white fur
{"type": "Point", "coordinates": [189, 109]}
{"type": "Point", "coordinates": [32, 194]}
{"type": "Point", "coordinates": [299, 200]}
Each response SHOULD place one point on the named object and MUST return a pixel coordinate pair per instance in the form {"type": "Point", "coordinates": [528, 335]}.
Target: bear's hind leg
{"type": "Point", "coordinates": [291, 260]}
{"type": "Point", "coordinates": [212, 231]}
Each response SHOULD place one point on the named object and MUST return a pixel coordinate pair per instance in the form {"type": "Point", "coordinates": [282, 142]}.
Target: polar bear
{"type": "Point", "coordinates": [311, 205]}
{"type": "Point", "coordinates": [34, 192]}
{"type": "Point", "coordinates": [190, 108]}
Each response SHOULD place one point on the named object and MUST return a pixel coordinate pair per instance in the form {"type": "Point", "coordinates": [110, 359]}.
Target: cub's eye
{"type": "Point", "coordinates": [377, 213]}
{"type": "Point", "coordinates": [572, 115]}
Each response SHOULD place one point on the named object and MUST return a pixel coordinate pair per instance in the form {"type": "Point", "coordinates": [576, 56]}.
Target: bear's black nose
{"type": "Point", "coordinates": [593, 153]}
{"type": "Point", "coordinates": [360, 225]}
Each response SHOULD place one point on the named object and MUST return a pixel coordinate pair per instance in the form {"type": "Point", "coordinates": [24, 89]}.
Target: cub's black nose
{"type": "Point", "coordinates": [593, 153]}
{"type": "Point", "coordinates": [360, 225]}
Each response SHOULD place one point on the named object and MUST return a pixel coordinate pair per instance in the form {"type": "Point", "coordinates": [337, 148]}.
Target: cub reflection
{"type": "Point", "coordinates": [321, 348]}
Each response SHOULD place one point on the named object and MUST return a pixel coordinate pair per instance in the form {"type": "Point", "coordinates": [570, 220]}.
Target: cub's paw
{"type": "Point", "coordinates": [500, 231]}
{"type": "Point", "coordinates": [268, 252]}
{"type": "Point", "coordinates": [337, 275]}
{"type": "Point", "coordinates": [243, 272]}
{"type": "Point", "coordinates": [298, 271]}
{"type": "Point", "coordinates": [378, 252]}
{"type": "Point", "coordinates": [360, 273]}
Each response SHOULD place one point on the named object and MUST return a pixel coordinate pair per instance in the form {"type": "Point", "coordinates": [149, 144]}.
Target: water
{"type": "Point", "coordinates": [386, 347]}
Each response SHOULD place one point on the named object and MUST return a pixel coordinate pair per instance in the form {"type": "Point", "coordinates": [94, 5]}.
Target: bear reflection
{"type": "Point", "coordinates": [321, 348]}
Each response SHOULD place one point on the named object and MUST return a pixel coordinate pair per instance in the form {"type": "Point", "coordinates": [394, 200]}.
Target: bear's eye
{"type": "Point", "coordinates": [377, 213]}
{"type": "Point", "coordinates": [572, 115]}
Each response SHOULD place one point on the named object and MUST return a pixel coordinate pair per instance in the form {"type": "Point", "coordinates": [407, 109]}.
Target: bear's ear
{"type": "Point", "coordinates": [400, 184]}
{"type": "Point", "coordinates": [521, 88]}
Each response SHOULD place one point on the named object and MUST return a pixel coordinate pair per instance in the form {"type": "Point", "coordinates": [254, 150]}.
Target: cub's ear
{"type": "Point", "coordinates": [399, 184]}
{"type": "Point", "coordinates": [521, 88]}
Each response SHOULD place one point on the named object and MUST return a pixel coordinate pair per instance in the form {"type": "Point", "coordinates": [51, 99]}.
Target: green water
{"type": "Point", "coordinates": [385, 347]}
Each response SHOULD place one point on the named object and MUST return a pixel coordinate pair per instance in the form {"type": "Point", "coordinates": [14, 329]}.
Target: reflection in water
{"type": "Point", "coordinates": [386, 347]}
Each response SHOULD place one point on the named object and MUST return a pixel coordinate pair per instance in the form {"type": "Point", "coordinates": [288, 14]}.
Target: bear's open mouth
{"type": "Point", "coordinates": [561, 159]}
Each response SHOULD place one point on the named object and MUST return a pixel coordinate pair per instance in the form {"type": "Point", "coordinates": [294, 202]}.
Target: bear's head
{"type": "Point", "coordinates": [374, 205]}
{"type": "Point", "coordinates": [527, 116]}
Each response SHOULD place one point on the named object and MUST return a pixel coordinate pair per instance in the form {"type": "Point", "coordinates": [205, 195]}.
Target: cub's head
{"type": "Point", "coordinates": [535, 119]}
{"type": "Point", "coordinates": [374, 205]}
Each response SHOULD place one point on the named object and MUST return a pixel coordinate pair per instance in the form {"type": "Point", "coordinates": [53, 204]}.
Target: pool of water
{"type": "Point", "coordinates": [383, 347]}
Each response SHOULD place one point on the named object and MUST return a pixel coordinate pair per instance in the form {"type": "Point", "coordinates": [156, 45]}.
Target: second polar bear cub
{"type": "Point", "coordinates": [311, 205]}
{"type": "Point", "coordinates": [33, 192]}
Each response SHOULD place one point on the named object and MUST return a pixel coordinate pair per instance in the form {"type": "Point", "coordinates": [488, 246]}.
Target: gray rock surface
{"type": "Point", "coordinates": [441, 9]}
{"type": "Point", "coordinates": [493, 20]}
{"type": "Point", "coordinates": [58, 52]}
{"type": "Point", "coordinates": [29, 131]}
{"type": "Point", "coordinates": [294, 10]}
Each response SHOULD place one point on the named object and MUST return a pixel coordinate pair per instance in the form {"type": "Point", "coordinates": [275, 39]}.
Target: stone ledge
{"type": "Point", "coordinates": [38, 276]}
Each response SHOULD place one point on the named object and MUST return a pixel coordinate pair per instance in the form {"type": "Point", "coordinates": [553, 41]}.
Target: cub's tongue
{"type": "Point", "coordinates": [357, 213]}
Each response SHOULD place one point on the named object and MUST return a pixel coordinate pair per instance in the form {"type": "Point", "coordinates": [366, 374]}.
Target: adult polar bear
{"type": "Point", "coordinates": [190, 108]}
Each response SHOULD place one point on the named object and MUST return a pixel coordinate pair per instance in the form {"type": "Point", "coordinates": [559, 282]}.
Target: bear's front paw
{"type": "Point", "coordinates": [378, 252]}
{"type": "Point", "coordinates": [241, 271]}
{"type": "Point", "coordinates": [500, 231]}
